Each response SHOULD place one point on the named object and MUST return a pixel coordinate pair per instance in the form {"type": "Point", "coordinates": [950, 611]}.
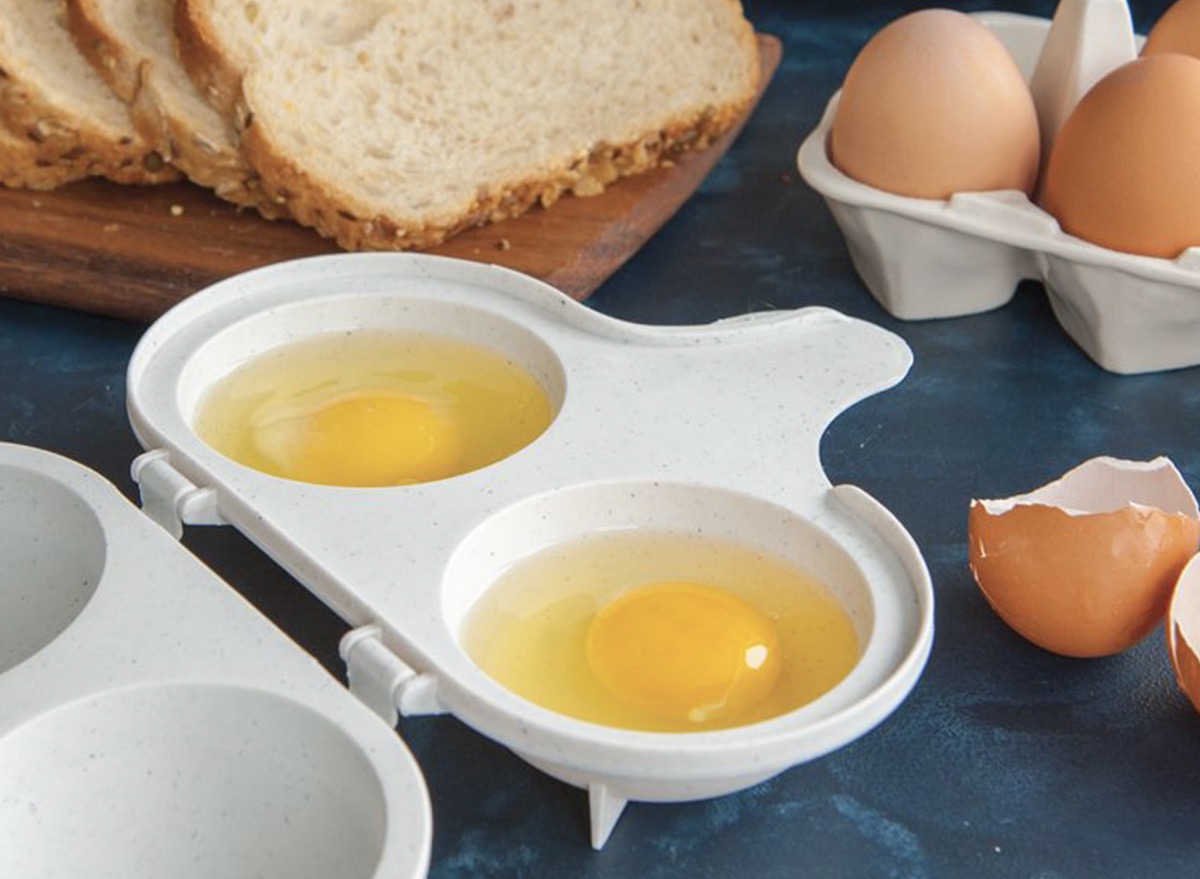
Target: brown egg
{"type": "Point", "coordinates": [1085, 565]}
{"type": "Point", "coordinates": [933, 105]}
{"type": "Point", "coordinates": [1178, 30]}
{"type": "Point", "coordinates": [1124, 171]}
{"type": "Point", "coordinates": [1183, 631]}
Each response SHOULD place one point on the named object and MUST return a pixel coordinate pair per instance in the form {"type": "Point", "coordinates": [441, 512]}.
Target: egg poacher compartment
{"type": "Point", "coordinates": [154, 724]}
{"type": "Point", "coordinates": [657, 424]}
{"type": "Point", "coordinates": [617, 765]}
{"type": "Point", "coordinates": [460, 322]}
{"type": "Point", "coordinates": [923, 258]}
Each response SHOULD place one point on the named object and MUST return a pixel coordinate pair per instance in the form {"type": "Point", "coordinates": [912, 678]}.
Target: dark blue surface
{"type": "Point", "coordinates": [1006, 760]}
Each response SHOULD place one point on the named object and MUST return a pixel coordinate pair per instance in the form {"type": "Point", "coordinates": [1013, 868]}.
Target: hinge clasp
{"type": "Point", "coordinates": [170, 498]}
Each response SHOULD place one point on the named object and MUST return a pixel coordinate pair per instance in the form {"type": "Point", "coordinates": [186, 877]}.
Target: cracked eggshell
{"type": "Point", "coordinates": [1085, 565]}
{"type": "Point", "coordinates": [1183, 631]}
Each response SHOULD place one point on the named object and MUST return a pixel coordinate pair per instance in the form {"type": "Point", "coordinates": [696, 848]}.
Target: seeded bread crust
{"type": "Point", "coordinates": [22, 168]}
{"type": "Point", "coordinates": [50, 97]}
{"type": "Point", "coordinates": [356, 225]}
{"type": "Point", "coordinates": [381, 60]}
{"type": "Point", "coordinates": [167, 109]}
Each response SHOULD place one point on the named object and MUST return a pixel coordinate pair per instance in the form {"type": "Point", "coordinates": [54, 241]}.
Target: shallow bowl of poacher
{"type": "Point", "coordinates": [708, 429]}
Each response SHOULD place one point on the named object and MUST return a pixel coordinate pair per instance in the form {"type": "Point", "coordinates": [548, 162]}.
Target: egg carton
{"type": "Point", "coordinates": [924, 258]}
{"type": "Point", "coordinates": [711, 429]}
{"type": "Point", "coordinates": [153, 724]}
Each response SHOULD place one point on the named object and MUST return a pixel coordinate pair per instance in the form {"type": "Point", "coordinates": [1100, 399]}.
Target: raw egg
{"type": "Point", "coordinates": [933, 105]}
{"type": "Point", "coordinates": [1183, 631]}
{"type": "Point", "coordinates": [1085, 565]}
{"type": "Point", "coordinates": [360, 437]}
{"type": "Point", "coordinates": [370, 409]}
{"type": "Point", "coordinates": [684, 651]}
{"type": "Point", "coordinates": [661, 631]}
{"type": "Point", "coordinates": [1178, 30]}
{"type": "Point", "coordinates": [1124, 171]}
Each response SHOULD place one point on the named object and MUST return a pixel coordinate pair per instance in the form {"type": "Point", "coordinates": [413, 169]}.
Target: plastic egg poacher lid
{"type": "Point", "coordinates": [924, 258]}
{"type": "Point", "coordinates": [152, 723]}
{"type": "Point", "coordinates": [712, 430]}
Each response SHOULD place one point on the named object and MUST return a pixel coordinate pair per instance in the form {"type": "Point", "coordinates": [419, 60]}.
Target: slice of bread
{"type": "Point", "coordinates": [51, 96]}
{"type": "Point", "coordinates": [396, 124]}
{"type": "Point", "coordinates": [131, 44]}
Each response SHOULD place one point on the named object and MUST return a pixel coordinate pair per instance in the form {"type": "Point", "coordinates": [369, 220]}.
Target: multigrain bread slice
{"type": "Point", "coordinates": [409, 121]}
{"type": "Point", "coordinates": [51, 96]}
{"type": "Point", "coordinates": [131, 44]}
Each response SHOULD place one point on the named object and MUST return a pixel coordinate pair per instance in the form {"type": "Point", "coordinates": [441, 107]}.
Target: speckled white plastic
{"type": "Point", "coordinates": [153, 724]}
{"type": "Point", "coordinates": [935, 259]}
{"type": "Point", "coordinates": [710, 429]}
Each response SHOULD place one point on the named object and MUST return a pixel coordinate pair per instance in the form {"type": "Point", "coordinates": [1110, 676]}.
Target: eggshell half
{"type": "Point", "coordinates": [1183, 631]}
{"type": "Point", "coordinates": [1085, 566]}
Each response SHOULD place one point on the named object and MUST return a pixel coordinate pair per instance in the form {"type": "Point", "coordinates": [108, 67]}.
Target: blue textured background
{"type": "Point", "coordinates": [1006, 760]}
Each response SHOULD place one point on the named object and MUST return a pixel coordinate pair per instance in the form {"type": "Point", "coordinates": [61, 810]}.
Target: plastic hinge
{"type": "Point", "coordinates": [383, 681]}
{"type": "Point", "coordinates": [170, 498]}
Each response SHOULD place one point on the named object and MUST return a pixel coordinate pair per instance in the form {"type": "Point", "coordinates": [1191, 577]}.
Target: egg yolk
{"type": "Point", "coordinates": [361, 438]}
{"type": "Point", "coordinates": [684, 651]}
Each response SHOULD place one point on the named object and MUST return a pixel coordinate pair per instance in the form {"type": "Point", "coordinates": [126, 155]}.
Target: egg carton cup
{"type": "Point", "coordinates": [924, 258]}
{"type": "Point", "coordinates": [709, 430]}
{"type": "Point", "coordinates": [153, 724]}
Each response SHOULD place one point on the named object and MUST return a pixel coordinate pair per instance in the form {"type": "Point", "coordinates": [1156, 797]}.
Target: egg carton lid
{"type": "Point", "coordinates": [153, 723]}
{"type": "Point", "coordinates": [929, 259]}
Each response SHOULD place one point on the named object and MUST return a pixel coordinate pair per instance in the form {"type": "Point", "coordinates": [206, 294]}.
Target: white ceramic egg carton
{"type": "Point", "coordinates": [925, 258]}
{"type": "Point", "coordinates": [153, 724]}
{"type": "Point", "coordinates": [711, 429]}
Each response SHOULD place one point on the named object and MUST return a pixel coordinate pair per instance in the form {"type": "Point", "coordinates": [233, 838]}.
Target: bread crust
{"type": "Point", "coordinates": [113, 65]}
{"type": "Point", "coordinates": [337, 214]}
{"type": "Point", "coordinates": [201, 52]}
{"type": "Point", "coordinates": [20, 167]}
{"type": "Point", "coordinates": [53, 138]}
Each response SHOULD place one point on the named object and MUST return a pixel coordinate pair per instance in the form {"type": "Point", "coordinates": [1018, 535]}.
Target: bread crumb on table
{"type": "Point", "coordinates": [176, 210]}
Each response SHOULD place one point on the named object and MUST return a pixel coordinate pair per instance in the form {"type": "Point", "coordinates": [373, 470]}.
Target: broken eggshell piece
{"type": "Point", "coordinates": [1085, 565]}
{"type": "Point", "coordinates": [1183, 631]}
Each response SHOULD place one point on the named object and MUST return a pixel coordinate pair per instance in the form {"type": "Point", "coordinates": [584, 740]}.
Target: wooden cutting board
{"type": "Point", "coordinates": [133, 252]}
